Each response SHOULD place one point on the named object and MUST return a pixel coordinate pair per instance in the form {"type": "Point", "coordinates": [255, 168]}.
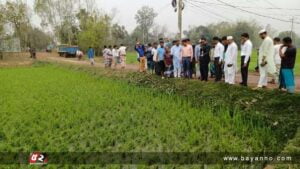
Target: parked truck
{"type": "Point", "coordinates": [67, 50]}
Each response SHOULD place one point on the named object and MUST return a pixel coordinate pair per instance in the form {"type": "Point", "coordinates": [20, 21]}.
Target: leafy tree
{"type": "Point", "coordinates": [225, 29]}
{"type": "Point", "coordinates": [145, 19]}
{"type": "Point", "coordinates": [59, 16]}
{"type": "Point", "coordinates": [252, 28]}
{"type": "Point", "coordinates": [16, 13]}
{"type": "Point", "coordinates": [158, 32]}
{"type": "Point", "coordinates": [2, 19]}
{"type": "Point", "coordinates": [38, 38]}
{"type": "Point", "coordinates": [195, 33]}
{"type": "Point", "coordinates": [119, 33]}
{"type": "Point", "coordinates": [95, 34]}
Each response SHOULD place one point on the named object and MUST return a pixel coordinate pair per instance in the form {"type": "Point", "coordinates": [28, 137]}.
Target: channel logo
{"type": "Point", "coordinates": [38, 158]}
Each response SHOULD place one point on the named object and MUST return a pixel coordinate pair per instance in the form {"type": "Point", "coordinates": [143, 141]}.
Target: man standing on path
{"type": "Point", "coordinates": [161, 51]}
{"type": "Point", "coordinates": [287, 79]}
{"type": "Point", "coordinates": [246, 52]}
{"type": "Point", "coordinates": [193, 70]}
{"type": "Point", "coordinates": [155, 58]}
{"type": "Point", "coordinates": [230, 61]}
{"type": "Point", "coordinates": [79, 54]}
{"type": "Point", "coordinates": [116, 56]}
{"type": "Point", "coordinates": [197, 54]}
{"type": "Point", "coordinates": [91, 55]}
{"type": "Point", "coordinates": [149, 56]}
{"type": "Point", "coordinates": [176, 53]}
{"type": "Point", "coordinates": [105, 54]}
{"type": "Point", "coordinates": [212, 61]}
{"type": "Point", "coordinates": [218, 55]}
{"type": "Point", "coordinates": [140, 49]}
{"type": "Point", "coordinates": [122, 50]}
{"type": "Point", "coordinates": [187, 54]}
{"type": "Point", "coordinates": [277, 59]}
{"type": "Point", "coordinates": [204, 59]}
{"type": "Point", "coordinates": [32, 53]}
{"type": "Point", "coordinates": [266, 59]}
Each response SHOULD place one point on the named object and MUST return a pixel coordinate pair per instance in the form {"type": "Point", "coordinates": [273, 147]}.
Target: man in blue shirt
{"type": "Point", "coordinates": [140, 49]}
{"type": "Point", "coordinates": [176, 53]}
{"type": "Point", "coordinates": [161, 51]}
{"type": "Point", "coordinates": [91, 55]}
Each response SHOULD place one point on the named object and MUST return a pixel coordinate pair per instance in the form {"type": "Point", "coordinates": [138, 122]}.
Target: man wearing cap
{"type": "Point", "coordinates": [265, 59]}
{"type": "Point", "coordinates": [230, 61]}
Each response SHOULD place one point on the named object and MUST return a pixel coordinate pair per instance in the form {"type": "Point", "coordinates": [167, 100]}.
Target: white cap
{"type": "Point", "coordinates": [229, 38]}
{"type": "Point", "coordinates": [262, 31]}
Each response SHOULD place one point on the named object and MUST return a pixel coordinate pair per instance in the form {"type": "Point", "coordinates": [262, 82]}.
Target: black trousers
{"type": "Point", "coordinates": [161, 65]}
{"type": "Point", "coordinates": [244, 71]}
{"type": "Point", "coordinates": [204, 70]}
{"type": "Point", "coordinates": [218, 68]}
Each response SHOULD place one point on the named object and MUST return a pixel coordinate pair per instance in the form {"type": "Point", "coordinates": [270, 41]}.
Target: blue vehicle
{"type": "Point", "coordinates": [67, 51]}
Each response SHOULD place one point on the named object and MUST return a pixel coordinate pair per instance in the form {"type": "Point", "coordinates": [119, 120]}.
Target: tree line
{"type": "Point", "coordinates": [82, 23]}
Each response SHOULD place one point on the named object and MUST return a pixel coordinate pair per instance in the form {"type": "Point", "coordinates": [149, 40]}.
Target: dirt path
{"type": "Point", "coordinates": [253, 77]}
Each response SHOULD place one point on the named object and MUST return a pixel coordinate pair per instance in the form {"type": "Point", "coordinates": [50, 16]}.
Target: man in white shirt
{"type": "Point", "coordinates": [155, 58]}
{"type": "Point", "coordinates": [176, 53]}
{"type": "Point", "coordinates": [79, 54]}
{"type": "Point", "coordinates": [230, 61]}
{"type": "Point", "coordinates": [218, 56]}
{"type": "Point", "coordinates": [122, 51]}
{"type": "Point", "coordinates": [266, 59]}
{"type": "Point", "coordinates": [246, 52]}
{"type": "Point", "coordinates": [116, 56]}
{"type": "Point", "coordinates": [277, 59]}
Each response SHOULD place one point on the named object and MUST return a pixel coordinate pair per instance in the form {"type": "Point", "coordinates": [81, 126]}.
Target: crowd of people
{"type": "Point", "coordinates": [217, 59]}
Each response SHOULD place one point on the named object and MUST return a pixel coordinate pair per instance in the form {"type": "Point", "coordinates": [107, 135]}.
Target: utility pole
{"type": "Point", "coordinates": [292, 30]}
{"type": "Point", "coordinates": [180, 5]}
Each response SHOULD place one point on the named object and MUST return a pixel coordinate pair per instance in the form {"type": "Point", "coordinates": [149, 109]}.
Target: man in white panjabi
{"type": "Point", "coordinates": [230, 65]}
{"type": "Point", "coordinates": [265, 59]}
{"type": "Point", "coordinates": [277, 59]}
{"type": "Point", "coordinates": [122, 51]}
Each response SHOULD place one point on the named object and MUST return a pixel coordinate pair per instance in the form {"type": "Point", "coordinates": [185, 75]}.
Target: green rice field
{"type": "Point", "coordinates": [55, 108]}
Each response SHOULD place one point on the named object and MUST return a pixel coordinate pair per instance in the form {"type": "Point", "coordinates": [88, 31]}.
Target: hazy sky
{"type": "Point", "coordinates": [197, 13]}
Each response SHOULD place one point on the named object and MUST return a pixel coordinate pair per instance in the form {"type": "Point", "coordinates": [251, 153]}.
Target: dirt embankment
{"type": "Point", "coordinates": [253, 77]}
{"type": "Point", "coordinates": [23, 59]}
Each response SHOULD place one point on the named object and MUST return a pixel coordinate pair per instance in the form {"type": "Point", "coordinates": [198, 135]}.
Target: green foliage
{"type": "Point", "coordinates": [145, 19]}
{"type": "Point", "coordinates": [119, 33]}
{"type": "Point", "coordinates": [16, 13]}
{"type": "Point", "coordinates": [95, 34]}
{"type": "Point", "coordinates": [60, 17]}
{"type": "Point", "coordinates": [224, 29]}
{"type": "Point", "coordinates": [68, 31]}
{"type": "Point", "coordinates": [38, 38]}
